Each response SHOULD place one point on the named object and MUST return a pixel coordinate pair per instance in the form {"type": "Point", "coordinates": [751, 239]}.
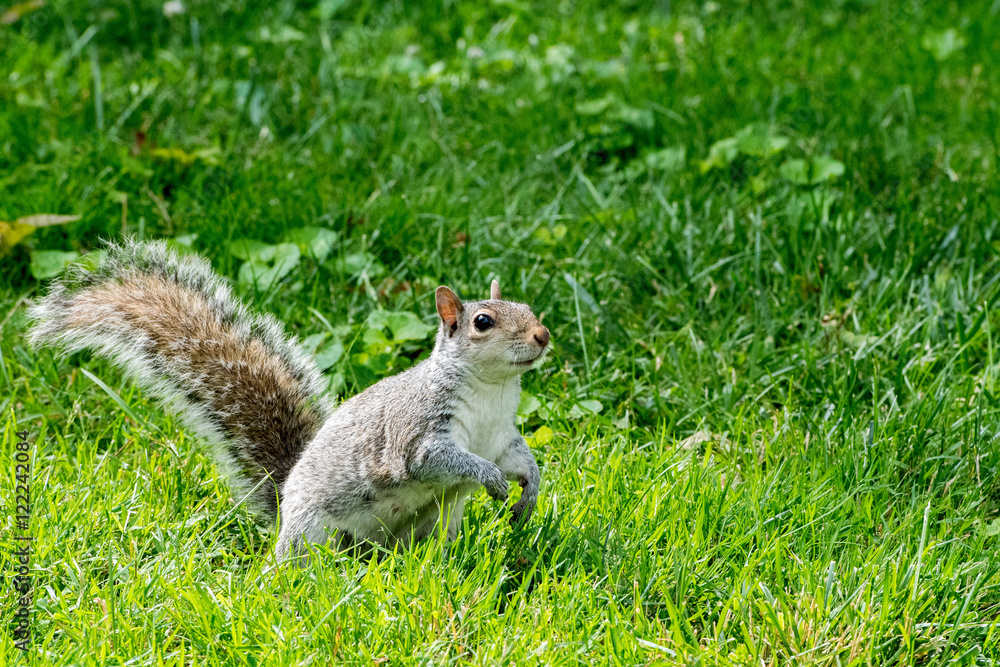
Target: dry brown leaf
{"type": "Point", "coordinates": [11, 233]}
{"type": "Point", "coordinates": [19, 10]}
{"type": "Point", "coordinates": [694, 440]}
{"type": "Point", "coordinates": [46, 219]}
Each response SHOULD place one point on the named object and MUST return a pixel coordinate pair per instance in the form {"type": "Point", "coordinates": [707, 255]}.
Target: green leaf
{"type": "Point", "coordinates": [269, 266]}
{"type": "Point", "coordinates": [248, 249]}
{"type": "Point", "coordinates": [327, 9]}
{"type": "Point", "coordinates": [315, 242]}
{"type": "Point", "coordinates": [93, 259]}
{"type": "Point", "coordinates": [330, 354]}
{"type": "Point", "coordinates": [943, 44]}
{"type": "Point", "coordinates": [183, 245]}
{"type": "Point", "coordinates": [825, 167]}
{"type": "Point", "coordinates": [403, 64]}
{"type": "Point", "coordinates": [638, 118]}
{"type": "Point", "coordinates": [585, 408]}
{"type": "Point", "coordinates": [528, 404]}
{"type": "Point", "coordinates": [407, 326]}
{"type": "Point", "coordinates": [756, 139]}
{"type": "Point", "coordinates": [668, 159]}
{"type": "Point", "coordinates": [796, 170]}
{"type": "Point", "coordinates": [374, 339]}
{"type": "Point", "coordinates": [288, 253]}
{"type": "Point", "coordinates": [50, 263]}
{"type": "Point", "coordinates": [540, 437]}
{"type": "Point", "coordinates": [355, 263]}
{"type": "Point", "coordinates": [820, 169]}
{"type": "Point", "coordinates": [311, 343]}
{"type": "Point", "coordinates": [184, 158]}
{"type": "Point", "coordinates": [378, 319]}
{"type": "Point", "coordinates": [617, 110]}
{"type": "Point", "coordinates": [282, 34]}
{"type": "Point", "coordinates": [760, 140]}
{"type": "Point", "coordinates": [721, 154]}
{"type": "Point", "coordinates": [595, 107]}
{"type": "Point", "coordinates": [404, 325]}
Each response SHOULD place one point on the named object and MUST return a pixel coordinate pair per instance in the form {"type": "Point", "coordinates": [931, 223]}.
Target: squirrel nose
{"type": "Point", "coordinates": [542, 336]}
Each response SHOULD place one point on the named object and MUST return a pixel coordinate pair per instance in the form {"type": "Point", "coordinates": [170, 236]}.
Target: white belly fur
{"type": "Point", "coordinates": [484, 424]}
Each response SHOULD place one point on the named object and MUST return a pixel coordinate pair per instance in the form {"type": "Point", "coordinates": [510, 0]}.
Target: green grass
{"type": "Point", "coordinates": [794, 457]}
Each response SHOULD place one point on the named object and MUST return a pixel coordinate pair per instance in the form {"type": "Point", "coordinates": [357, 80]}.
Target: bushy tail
{"type": "Point", "coordinates": [172, 324]}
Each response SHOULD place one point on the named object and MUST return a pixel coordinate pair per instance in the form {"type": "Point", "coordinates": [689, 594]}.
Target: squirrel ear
{"type": "Point", "coordinates": [448, 306]}
{"type": "Point", "coordinates": [495, 291]}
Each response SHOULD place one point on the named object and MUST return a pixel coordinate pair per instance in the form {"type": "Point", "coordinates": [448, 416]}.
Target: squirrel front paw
{"type": "Point", "coordinates": [522, 509]}
{"type": "Point", "coordinates": [495, 482]}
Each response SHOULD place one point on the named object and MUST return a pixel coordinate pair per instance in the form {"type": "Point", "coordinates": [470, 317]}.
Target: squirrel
{"type": "Point", "coordinates": [384, 468]}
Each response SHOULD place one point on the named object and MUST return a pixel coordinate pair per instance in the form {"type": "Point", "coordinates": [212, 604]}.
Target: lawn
{"type": "Point", "coordinates": [765, 237]}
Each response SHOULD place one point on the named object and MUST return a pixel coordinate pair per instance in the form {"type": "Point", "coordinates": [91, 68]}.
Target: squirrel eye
{"type": "Point", "coordinates": [483, 322]}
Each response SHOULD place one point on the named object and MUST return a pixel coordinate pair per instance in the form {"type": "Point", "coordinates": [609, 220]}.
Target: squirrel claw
{"type": "Point", "coordinates": [521, 512]}
{"type": "Point", "coordinates": [519, 515]}
{"type": "Point", "coordinates": [496, 484]}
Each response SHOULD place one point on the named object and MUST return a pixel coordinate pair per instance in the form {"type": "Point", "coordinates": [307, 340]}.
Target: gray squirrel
{"type": "Point", "coordinates": [385, 467]}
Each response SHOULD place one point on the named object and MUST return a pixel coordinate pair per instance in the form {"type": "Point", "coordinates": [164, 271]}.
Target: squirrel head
{"type": "Point", "coordinates": [496, 339]}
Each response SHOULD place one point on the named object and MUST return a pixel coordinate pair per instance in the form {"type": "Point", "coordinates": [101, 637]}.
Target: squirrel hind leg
{"type": "Point", "coordinates": [454, 518]}
{"type": "Point", "coordinates": [447, 515]}
{"type": "Point", "coordinates": [303, 523]}
{"type": "Point", "coordinates": [300, 526]}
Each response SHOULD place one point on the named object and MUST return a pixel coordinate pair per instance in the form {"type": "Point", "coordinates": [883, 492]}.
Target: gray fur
{"type": "Point", "coordinates": [400, 458]}
{"type": "Point", "coordinates": [386, 467]}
